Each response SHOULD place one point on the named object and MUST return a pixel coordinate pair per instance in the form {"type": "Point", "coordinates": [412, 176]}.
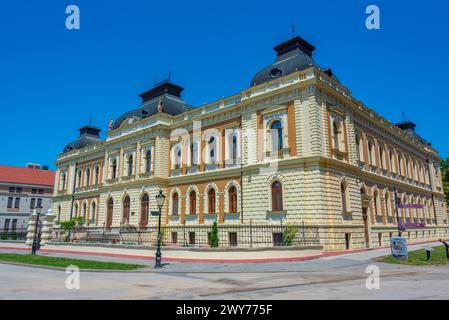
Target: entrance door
{"type": "Point", "coordinates": [365, 222]}
{"type": "Point", "coordinates": [144, 206]}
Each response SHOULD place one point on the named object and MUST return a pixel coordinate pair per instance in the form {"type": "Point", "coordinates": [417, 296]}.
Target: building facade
{"type": "Point", "coordinates": [21, 190]}
{"type": "Point", "coordinates": [294, 147]}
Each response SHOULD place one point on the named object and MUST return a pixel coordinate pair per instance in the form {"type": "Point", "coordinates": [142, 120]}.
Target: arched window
{"type": "Point", "coordinates": [130, 165]}
{"type": "Point", "coordinates": [232, 194]}
{"type": "Point", "coordinates": [63, 179]}
{"type": "Point", "coordinates": [234, 148]}
{"type": "Point", "coordinates": [126, 207]}
{"type": "Point", "coordinates": [177, 157]}
{"type": "Point", "coordinates": [76, 209]}
{"type": "Point", "coordinates": [193, 154]}
{"type": "Point", "coordinates": [336, 132]}
{"type": "Point", "coordinates": [277, 142]}
{"type": "Point", "coordinates": [387, 203]}
{"type": "Point", "coordinates": [211, 201]}
{"type": "Point", "coordinates": [110, 212]}
{"type": "Point", "coordinates": [192, 202]}
{"type": "Point", "coordinates": [358, 148]}
{"type": "Point", "coordinates": [144, 207]}
{"type": "Point", "coordinates": [79, 178]}
{"type": "Point", "coordinates": [84, 212]}
{"type": "Point", "coordinates": [87, 182]}
{"type": "Point", "coordinates": [114, 168]}
{"type": "Point", "coordinates": [344, 197]}
{"type": "Point", "coordinates": [212, 146]}
{"type": "Point", "coordinates": [97, 175]}
{"type": "Point", "coordinates": [371, 152]}
{"type": "Point", "coordinates": [92, 212]}
{"type": "Point", "coordinates": [276, 196]}
{"type": "Point", "coordinates": [175, 204]}
{"type": "Point", "coordinates": [381, 155]}
{"type": "Point", "coordinates": [148, 161]}
{"type": "Point", "coordinates": [376, 199]}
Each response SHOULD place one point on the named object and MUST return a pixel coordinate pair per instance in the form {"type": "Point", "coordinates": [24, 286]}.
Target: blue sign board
{"type": "Point", "coordinates": [399, 247]}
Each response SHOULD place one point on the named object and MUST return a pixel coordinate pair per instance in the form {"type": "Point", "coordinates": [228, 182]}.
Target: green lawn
{"type": "Point", "coordinates": [419, 258]}
{"type": "Point", "coordinates": [64, 262]}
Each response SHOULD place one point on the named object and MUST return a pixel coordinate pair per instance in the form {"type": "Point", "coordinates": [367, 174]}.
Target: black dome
{"type": "Point", "coordinates": [292, 55]}
{"type": "Point", "coordinates": [88, 135]}
{"type": "Point", "coordinates": [167, 93]}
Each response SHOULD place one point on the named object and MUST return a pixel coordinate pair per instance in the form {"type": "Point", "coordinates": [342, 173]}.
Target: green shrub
{"type": "Point", "coordinates": [213, 237]}
{"type": "Point", "coordinates": [14, 236]}
{"type": "Point", "coordinates": [3, 237]}
{"type": "Point", "coordinates": [289, 235]}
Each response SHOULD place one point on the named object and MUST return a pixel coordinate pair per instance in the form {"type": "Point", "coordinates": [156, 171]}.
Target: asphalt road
{"type": "Point", "coordinates": [342, 277]}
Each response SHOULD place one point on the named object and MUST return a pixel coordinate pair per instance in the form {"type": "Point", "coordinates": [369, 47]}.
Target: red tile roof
{"type": "Point", "coordinates": [26, 176]}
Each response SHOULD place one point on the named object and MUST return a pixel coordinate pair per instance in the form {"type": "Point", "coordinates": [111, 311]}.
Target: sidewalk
{"type": "Point", "coordinates": [196, 256]}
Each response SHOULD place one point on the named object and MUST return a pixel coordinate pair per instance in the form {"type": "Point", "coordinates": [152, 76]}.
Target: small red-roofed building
{"type": "Point", "coordinates": [22, 190]}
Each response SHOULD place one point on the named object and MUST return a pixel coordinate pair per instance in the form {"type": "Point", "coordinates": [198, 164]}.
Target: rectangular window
{"type": "Point", "coordinates": [32, 203]}
{"type": "Point", "coordinates": [277, 239]}
{"type": "Point", "coordinates": [17, 203]}
{"type": "Point", "coordinates": [6, 226]}
{"type": "Point", "coordinates": [174, 238]}
{"type": "Point", "coordinates": [41, 191]}
{"type": "Point", "coordinates": [348, 241]}
{"type": "Point", "coordinates": [39, 203]}
{"type": "Point", "coordinates": [192, 238]}
{"type": "Point", "coordinates": [33, 191]}
{"type": "Point", "coordinates": [233, 239]}
{"type": "Point", "coordinates": [14, 225]}
{"type": "Point", "coordinates": [19, 190]}
{"type": "Point", "coordinates": [12, 189]}
{"type": "Point", "coordinates": [10, 200]}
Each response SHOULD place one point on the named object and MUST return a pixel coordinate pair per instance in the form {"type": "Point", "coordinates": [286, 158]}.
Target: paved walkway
{"type": "Point", "coordinates": [332, 277]}
{"type": "Point", "coordinates": [172, 255]}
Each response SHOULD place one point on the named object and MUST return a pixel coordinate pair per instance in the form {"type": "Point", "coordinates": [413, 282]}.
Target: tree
{"type": "Point", "coordinates": [213, 238]}
{"type": "Point", "coordinates": [445, 177]}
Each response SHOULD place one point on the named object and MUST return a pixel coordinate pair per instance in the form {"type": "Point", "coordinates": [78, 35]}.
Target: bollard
{"type": "Point", "coordinates": [447, 248]}
{"type": "Point", "coordinates": [428, 252]}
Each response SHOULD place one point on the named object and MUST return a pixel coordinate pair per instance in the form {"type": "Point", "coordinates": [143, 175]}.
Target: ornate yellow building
{"type": "Point", "coordinates": [295, 147]}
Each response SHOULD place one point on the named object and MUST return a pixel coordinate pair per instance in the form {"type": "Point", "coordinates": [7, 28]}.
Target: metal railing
{"type": "Point", "coordinates": [16, 234]}
{"type": "Point", "coordinates": [247, 235]}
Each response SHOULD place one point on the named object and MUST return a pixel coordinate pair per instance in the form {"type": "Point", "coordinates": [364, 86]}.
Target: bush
{"type": "Point", "coordinates": [14, 236]}
{"type": "Point", "coordinates": [3, 237]}
{"type": "Point", "coordinates": [289, 235]}
{"type": "Point", "coordinates": [213, 238]}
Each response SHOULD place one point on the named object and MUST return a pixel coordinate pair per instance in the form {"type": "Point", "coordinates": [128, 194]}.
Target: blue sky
{"type": "Point", "coordinates": [53, 80]}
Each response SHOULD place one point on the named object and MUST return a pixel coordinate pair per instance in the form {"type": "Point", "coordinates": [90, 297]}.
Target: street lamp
{"type": "Point", "coordinates": [37, 209]}
{"type": "Point", "coordinates": [160, 198]}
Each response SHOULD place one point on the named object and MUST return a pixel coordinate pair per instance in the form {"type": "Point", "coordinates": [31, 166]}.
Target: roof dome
{"type": "Point", "coordinates": [88, 135]}
{"type": "Point", "coordinates": [292, 55]}
{"type": "Point", "coordinates": [164, 97]}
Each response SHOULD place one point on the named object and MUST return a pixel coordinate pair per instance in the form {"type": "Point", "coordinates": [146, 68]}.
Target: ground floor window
{"type": "Point", "coordinates": [233, 239]}
{"type": "Point", "coordinates": [380, 239]}
{"type": "Point", "coordinates": [277, 239]}
{"type": "Point", "coordinates": [174, 237]}
{"type": "Point", "coordinates": [192, 238]}
{"type": "Point", "coordinates": [348, 241]}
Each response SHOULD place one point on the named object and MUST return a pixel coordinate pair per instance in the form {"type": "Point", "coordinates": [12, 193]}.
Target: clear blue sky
{"type": "Point", "coordinates": [52, 79]}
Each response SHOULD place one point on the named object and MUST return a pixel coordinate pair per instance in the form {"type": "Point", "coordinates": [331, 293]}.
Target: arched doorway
{"type": "Point", "coordinates": [144, 206]}
{"type": "Point", "coordinates": [126, 208]}
{"type": "Point", "coordinates": [365, 198]}
{"type": "Point", "coordinates": [109, 213]}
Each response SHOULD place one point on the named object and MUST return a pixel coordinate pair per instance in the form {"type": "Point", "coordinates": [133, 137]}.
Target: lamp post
{"type": "Point", "coordinates": [38, 209]}
{"type": "Point", "coordinates": [160, 198]}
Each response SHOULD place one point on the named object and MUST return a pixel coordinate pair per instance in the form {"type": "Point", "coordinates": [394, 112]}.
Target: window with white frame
{"type": "Point", "coordinates": [194, 153]}
{"type": "Point", "coordinates": [232, 146]}
{"type": "Point", "coordinates": [212, 149]}
{"type": "Point", "coordinates": [177, 156]}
